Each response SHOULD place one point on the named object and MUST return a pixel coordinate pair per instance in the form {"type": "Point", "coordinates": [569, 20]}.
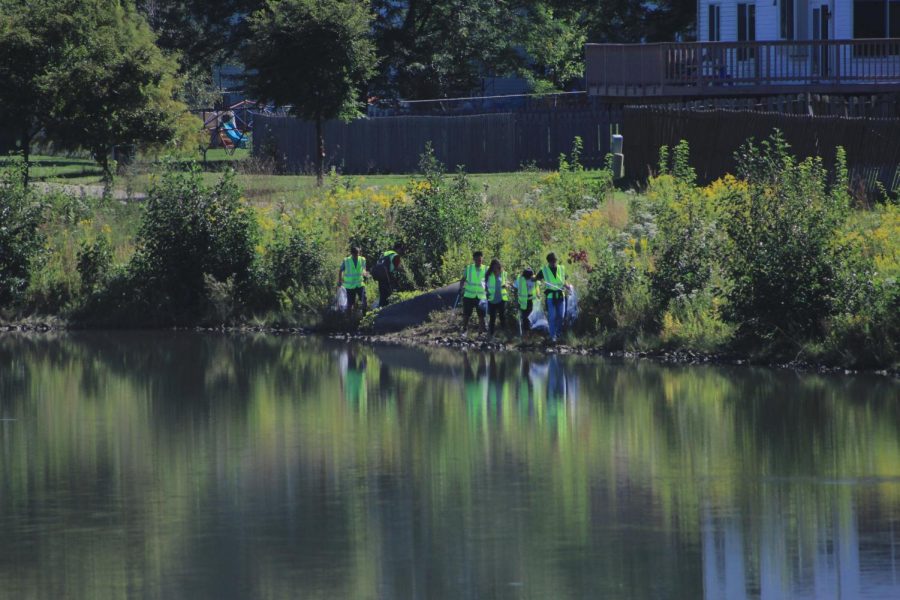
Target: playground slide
{"type": "Point", "coordinates": [234, 134]}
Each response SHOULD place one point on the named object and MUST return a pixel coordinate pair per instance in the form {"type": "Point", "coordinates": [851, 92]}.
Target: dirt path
{"type": "Point", "coordinates": [88, 191]}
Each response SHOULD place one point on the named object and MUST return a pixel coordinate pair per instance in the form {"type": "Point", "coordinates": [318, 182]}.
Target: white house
{"type": "Point", "coordinates": [769, 20]}
{"type": "Point", "coordinates": [761, 47]}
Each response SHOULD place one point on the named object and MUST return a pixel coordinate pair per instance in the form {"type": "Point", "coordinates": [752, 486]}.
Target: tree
{"type": "Point", "coordinates": [633, 21]}
{"type": "Point", "coordinates": [20, 235]}
{"type": "Point", "coordinates": [25, 58]}
{"type": "Point", "coordinates": [113, 85]}
{"type": "Point", "coordinates": [88, 74]}
{"type": "Point", "coordinates": [441, 48]}
{"type": "Point", "coordinates": [553, 42]}
{"type": "Point", "coordinates": [204, 33]}
{"type": "Point", "coordinates": [312, 56]}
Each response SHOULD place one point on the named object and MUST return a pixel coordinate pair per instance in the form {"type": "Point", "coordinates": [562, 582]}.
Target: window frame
{"type": "Point", "coordinates": [746, 30]}
{"type": "Point", "coordinates": [714, 22]}
{"type": "Point", "coordinates": [787, 17]}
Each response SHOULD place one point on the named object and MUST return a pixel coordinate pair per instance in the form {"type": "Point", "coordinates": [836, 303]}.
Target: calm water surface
{"type": "Point", "coordinates": [200, 466]}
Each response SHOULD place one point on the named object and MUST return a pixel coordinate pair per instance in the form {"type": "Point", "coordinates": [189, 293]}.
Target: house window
{"type": "Point", "coordinates": [787, 19]}
{"type": "Point", "coordinates": [746, 22]}
{"type": "Point", "coordinates": [715, 31]}
{"type": "Point", "coordinates": [876, 19]}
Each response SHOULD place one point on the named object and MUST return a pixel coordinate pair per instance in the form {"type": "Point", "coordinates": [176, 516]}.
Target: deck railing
{"type": "Point", "coordinates": [629, 69]}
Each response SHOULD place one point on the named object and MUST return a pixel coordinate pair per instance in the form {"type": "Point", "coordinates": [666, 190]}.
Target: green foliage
{"type": "Point", "coordinates": [864, 329]}
{"type": "Point", "coordinates": [574, 188]}
{"type": "Point", "coordinates": [88, 73]}
{"type": "Point", "coordinates": [20, 235]}
{"type": "Point", "coordinates": [297, 258]}
{"type": "Point", "coordinates": [115, 87]}
{"type": "Point", "coordinates": [190, 231]}
{"type": "Point", "coordinates": [553, 41]}
{"type": "Point", "coordinates": [94, 263]}
{"type": "Point", "coordinates": [688, 243]}
{"type": "Point", "coordinates": [695, 322]}
{"type": "Point", "coordinates": [780, 231]}
{"type": "Point", "coordinates": [205, 33]}
{"type": "Point", "coordinates": [441, 48]}
{"type": "Point", "coordinates": [311, 55]}
{"type": "Point", "coordinates": [444, 211]}
{"type": "Point", "coordinates": [371, 231]}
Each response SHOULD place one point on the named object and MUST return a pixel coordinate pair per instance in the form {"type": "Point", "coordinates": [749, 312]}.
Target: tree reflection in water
{"type": "Point", "coordinates": [182, 464]}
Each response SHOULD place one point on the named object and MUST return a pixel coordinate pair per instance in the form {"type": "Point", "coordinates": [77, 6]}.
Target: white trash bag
{"type": "Point", "coordinates": [483, 307]}
{"type": "Point", "coordinates": [340, 300]}
{"type": "Point", "coordinates": [538, 319]}
{"type": "Point", "coordinates": [571, 306]}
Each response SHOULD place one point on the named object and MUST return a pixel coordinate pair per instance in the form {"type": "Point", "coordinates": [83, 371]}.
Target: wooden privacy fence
{"type": "Point", "coordinates": [872, 145]}
{"type": "Point", "coordinates": [481, 143]}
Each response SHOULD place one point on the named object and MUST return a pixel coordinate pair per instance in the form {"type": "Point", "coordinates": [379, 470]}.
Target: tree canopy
{"type": "Point", "coordinates": [88, 73]}
{"type": "Point", "coordinates": [311, 55]}
{"type": "Point", "coordinates": [441, 48]}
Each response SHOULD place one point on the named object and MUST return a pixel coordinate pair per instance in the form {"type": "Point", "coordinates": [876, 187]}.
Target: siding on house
{"type": "Point", "coordinates": [767, 19]}
{"type": "Point", "coordinates": [842, 21]}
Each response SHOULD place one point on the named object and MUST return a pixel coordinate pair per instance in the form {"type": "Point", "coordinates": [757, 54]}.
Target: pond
{"type": "Point", "coordinates": [186, 465]}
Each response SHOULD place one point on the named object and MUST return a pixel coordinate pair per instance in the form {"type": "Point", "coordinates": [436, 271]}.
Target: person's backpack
{"type": "Point", "coordinates": [382, 270]}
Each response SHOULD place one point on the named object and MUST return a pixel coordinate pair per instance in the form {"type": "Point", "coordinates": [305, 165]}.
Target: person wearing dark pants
{"type": "Point", "coordinates": [351, 277]}
{"type": "Point", "coordinates": [384, 273]}
{"type": "Point", "coordinates": [472, 285]}
{"type": "Point", "coordinates": [525, 287]}
{"type": "Point", "coordinates": [385, 289]}
{"type": "Point", "coordinates": [497, 294]}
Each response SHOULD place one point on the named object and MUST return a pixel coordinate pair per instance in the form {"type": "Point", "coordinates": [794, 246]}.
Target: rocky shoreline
{"type": "Point", "coordinates": [423, 338]}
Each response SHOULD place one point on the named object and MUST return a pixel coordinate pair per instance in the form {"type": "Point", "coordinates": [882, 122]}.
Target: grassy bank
{"type": "Point", "coordinates": [776, 262]}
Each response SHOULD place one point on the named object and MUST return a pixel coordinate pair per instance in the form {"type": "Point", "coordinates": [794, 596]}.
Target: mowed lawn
{"type": "Point", "coordinates": [259, 188]}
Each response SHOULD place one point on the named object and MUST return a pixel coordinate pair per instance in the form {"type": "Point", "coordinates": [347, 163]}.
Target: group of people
{"type": "Point", "coordinates": [480, 286]}
{"type": "Point", "coordinates": [490, 285]}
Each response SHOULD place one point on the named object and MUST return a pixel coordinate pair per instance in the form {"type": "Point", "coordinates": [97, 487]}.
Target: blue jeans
{"type": "Point", "coordinates": [555, 312]}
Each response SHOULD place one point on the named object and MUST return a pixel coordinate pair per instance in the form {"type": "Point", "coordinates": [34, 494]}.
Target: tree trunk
{"type": "Point", "coordinates": [320, 154]}
{"type": "Point", "coordinates": [26, 154]}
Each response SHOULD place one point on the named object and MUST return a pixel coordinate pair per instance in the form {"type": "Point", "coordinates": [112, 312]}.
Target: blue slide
{"type": "Point", "coordinates": [234, 134]}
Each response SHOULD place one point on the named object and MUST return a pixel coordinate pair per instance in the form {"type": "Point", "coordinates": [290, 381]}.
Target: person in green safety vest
{"type": "Point", "coordinates": [385, 272]}
{"type": "Point", "coordinates": [554, 277]}
{"type": "Point", "coordinates": [472, 286]}
{"type": "Point", "coordinates": [525, 289]}
{"type": "Point", "coordinates": [352, 278]}
{"type": "Point", "coordinates": [497, 294]}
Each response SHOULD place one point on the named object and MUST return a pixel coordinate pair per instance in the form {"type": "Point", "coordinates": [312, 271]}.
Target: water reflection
{"type": "Point", "coordinates": [183, 465]}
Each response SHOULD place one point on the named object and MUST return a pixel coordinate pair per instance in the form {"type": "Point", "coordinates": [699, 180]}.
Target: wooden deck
{"type": "Point", "coordinates": [702, 69]}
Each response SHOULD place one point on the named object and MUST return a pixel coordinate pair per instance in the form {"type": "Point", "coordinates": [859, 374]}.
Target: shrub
{"type": "Point", "coordinates": [372, 231]}
{"type": "Point", "coordinates": [20, 236]}
{"type": "Point", "coordinates": [297, 258]}
{"type": "Point", "coordinates": [780, 232]}
{"type": "Point", "coordinates": [574, 188]}
{"type": "Point", "coordinates": [694, 321]}
{"type": "Point", "coordinates": [189, 231]}
{"type": "Point", "coordinates": [865, 327]}
{"type": "Point", "coordinates": [94, 263]}
{"type": "Point", "coordinates": [442, 211]}
{"type": "Point", "coordinates": [687, 242]}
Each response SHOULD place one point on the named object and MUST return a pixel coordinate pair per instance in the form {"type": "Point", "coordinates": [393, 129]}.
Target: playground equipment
{"type": "Point", "coordinates": [230, 128]}
{"type": "Point", "coordinates": [232, 135]}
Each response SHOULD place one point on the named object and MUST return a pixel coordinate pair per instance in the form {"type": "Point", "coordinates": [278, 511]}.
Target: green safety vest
{"type": "Point", "coordinates": [390, 254]}
{"type": "Point", "coordinates": [525, 295]}
{"type": "Point", "coordinates": [475, 282]}
{"type": "Point", "coordinates": [554, 284]}
{"type": "Point", "coordinates": [353, 274]}
{"type": "Point", "coordinates": [492, 284]}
